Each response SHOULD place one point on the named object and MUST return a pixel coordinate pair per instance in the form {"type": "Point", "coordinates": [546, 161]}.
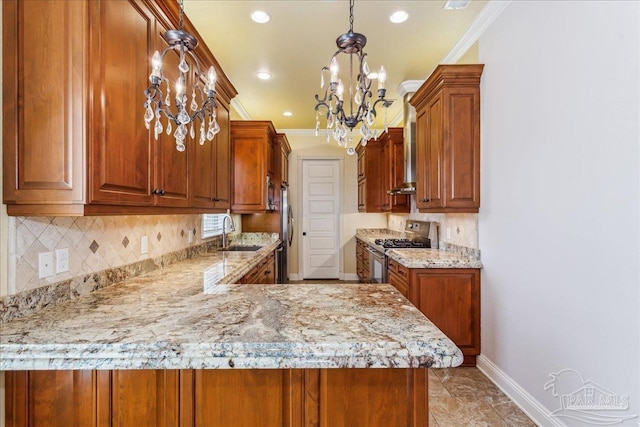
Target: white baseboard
{"type": "Point", "coordinates": [344, 276]}
{"type": "Point", "coordinates": [529, 404]}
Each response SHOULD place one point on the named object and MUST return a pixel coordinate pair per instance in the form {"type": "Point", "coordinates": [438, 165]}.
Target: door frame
{"type": "Point", "coordinates": [298, 214]}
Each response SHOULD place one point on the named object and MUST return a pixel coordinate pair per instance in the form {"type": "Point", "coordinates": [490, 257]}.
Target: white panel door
{"type": "Point", "coordinates": [321, 219]}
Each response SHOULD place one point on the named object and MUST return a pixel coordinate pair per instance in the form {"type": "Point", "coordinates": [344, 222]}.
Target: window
{"type": "Point", "coordinates": [211, 225]}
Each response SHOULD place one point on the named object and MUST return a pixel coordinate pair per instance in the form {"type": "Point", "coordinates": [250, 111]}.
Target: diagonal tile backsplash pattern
{"type": "Point", "coordinates": [94, 243]}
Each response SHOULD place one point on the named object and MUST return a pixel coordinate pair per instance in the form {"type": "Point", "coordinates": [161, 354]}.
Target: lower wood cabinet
{"type": "Point", "coordinates": [362, 261]}
{"type": "Point", "coordinates": [449, 297]}
{"type": "Point", "coordinates": [263, 273]}
{"type": "Point", "coordinates": [218, 398]}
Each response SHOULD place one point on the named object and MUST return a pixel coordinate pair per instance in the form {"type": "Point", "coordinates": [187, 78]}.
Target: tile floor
{"type": "Point", "coordinates": [466, 397]}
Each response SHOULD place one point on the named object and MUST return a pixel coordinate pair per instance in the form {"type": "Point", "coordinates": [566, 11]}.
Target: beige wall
{"type": "Point", "coordinates": [471, 56]}
{"type": "Point", "coordinates": [305, 145]}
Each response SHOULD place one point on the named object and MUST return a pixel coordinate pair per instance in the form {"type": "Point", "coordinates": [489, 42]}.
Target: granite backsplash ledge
{"type": "Point", "coordinates": [385, 233]}
{"type": "Point", "coordinates": [30, 301]}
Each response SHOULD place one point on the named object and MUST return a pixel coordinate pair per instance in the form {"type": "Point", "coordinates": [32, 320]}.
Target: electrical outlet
{"type": "Point", "coordinates": [144, 245]}
{"type": "Point", "coordinates": [62, 260]}
{"type": "Point", "coordinates": [45, 264]}
{"type": "Point", "coordinates": [189, 237]}
{"type": "Point", "coordinates": [448, 233]}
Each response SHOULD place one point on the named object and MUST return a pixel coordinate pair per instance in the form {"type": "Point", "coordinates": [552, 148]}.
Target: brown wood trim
{"type": "Point", "coordinates": [457, 74]}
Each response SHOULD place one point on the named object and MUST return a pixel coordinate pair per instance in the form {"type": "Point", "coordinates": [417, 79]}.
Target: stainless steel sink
{"type": "Point", "coordinates": [241, 248]}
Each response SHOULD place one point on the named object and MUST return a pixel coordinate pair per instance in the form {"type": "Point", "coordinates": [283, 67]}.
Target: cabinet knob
{"type": "Point", "coordinates": [425, 200]}
{"type": "Point", "coordinates": [215, 199]}
{"type": "Point", "coordinates": [157, 191]}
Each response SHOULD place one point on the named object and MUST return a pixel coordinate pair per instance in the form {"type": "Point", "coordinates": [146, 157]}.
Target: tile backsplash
{"type": "Point", "coordinates": [94, 243]}
{"type": "Point", "coordinates": [463, 228]}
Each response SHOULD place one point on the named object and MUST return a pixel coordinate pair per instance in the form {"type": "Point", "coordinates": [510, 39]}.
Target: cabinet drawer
{"type": "Point", "coordinates": [399, 283]}
{"type": "Point", "coordinates": [400, 270]}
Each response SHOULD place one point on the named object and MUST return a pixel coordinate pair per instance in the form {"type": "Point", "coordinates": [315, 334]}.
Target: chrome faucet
{"type": "Point", "coordinates": [224, 229]}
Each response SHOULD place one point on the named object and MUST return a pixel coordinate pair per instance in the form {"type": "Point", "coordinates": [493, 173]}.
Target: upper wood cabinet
{"type": "Point", "coordinates": [282, 166]}
{"type": "Point", "coordinates": [393, 171]}
{"type": "Point", "coordinates": [369, 176]}
{"type": "Point", "coordinates": [448, 140]}
{"type": "Point", "coordinates": [74, 140]}
{"type": "Point", "coordinates": [252, 147]}
{"type": "Point", "coordinates": [381, 168]}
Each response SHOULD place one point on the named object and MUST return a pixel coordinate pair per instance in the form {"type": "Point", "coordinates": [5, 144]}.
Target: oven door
{"type": "Point", "coordinates": [377, 266]}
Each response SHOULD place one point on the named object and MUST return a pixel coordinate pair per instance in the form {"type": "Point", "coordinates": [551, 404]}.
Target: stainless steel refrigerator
{"type": "Point", "coordinates": [286, 235]}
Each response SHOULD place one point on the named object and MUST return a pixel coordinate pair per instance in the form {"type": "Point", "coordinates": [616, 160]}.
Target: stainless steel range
{"type": "Point", "coordinates": [418, 234]}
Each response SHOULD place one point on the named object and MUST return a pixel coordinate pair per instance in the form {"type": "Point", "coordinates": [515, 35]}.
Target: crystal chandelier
{"type": "Point", "coordinates": [359, 108]}
{"type": "Point", "coordinates": [203, 105]}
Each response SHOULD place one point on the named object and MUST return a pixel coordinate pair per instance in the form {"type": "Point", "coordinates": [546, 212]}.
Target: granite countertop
{"type": "Point", "coordinates": [431, 258]}
{"type": "Point", "coordinates": [418, 258]}
{"type": "Point", "coordinates": [185, 316]}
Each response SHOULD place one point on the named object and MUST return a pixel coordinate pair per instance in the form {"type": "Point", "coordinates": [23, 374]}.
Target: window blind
{"type": "Point", "coordinates": [211, 225]}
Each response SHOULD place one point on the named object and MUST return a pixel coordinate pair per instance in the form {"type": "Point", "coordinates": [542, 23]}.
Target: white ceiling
{"type": "Point", "coordinates": [300, 39]}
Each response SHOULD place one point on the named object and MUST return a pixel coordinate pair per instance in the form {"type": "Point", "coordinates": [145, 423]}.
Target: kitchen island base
{"type": "Point", "coordinates": [218, 398]}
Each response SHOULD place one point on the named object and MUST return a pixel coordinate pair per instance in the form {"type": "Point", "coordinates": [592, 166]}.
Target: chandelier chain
{"type": "Point", "coordinates": [181, 4]}
{"type": "Point", "coordinates": [351, 15]}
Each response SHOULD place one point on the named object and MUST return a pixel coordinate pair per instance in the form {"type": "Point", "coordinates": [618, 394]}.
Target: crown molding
{"type": "Point", "coordinates": [239, 108]}
{"type": "Point", "coordinates": [491, 11]}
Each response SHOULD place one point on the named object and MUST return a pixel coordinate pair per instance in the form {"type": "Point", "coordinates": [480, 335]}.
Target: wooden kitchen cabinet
{"type": "Point", "coordinates": [263, 273]}
{"type": "Point", "coordinates": [252, 145]}
{"type": "Point", "coordinates": [212, 167]}
{"type": "Point", "coordinates": [448, 140]}
{"type": "Point", "coordinates": [399, 277]}
{"type": "Point", "coordinates": [283, 160]}
{"type": "Point", "coordinates": [362, 261]}
{"type": "Point", "coordinates": [77, 145]}
{"type": "Point", "coordinates": [393, 171]}
{"type": "Point", "coordinates": [369, 176]}
{"type": "Point", "coordinates": [450, 298]}
{"type": "Point", "coordinates": [218, 397]}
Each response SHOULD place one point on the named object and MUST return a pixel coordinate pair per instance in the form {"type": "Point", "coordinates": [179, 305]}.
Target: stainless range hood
{"type": "Point", "coordinates": [406, 90]}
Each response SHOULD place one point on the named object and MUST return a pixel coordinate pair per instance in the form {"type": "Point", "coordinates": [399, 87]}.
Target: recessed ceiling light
{"type": "Point", "coordinates": [260, 17]}
{"type": "Point", "coordinates": [399, 17]}
{"type": "Point", "coordinates": [456, 4]}
{"type": "Point", "coordinates": [263, 75]}
{"type": "Point", "coordinates": [287, 114]}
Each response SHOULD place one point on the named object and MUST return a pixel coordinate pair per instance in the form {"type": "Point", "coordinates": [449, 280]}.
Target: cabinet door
{"type": "Point", "coordinates": [400, 202]}
{"type": "Point", "coordinates": [386, 175]}
{"type": "Point", "coordinates": [367, 397]}
{"type": "Point", "coordinates": [422, 156]}
{"type": "Point", "coordinates": [434, 140]}
{"type": "Point", "coordinates": [462, 148]}
{"type": "Point", "coordinates": [141, 398]}
{"type": "Point", "coordinates": [43, 98]}
{"type": "Point", "coordinates": [122, 37]}
{"type": "Point", "coordinates": [171, 181]}
{"type": "Point", "coordinates": [362, 195]}
{"type": "Point", "coordinates": [49, 398]}
{"type": "Point", "coordinates": [222, 152]}
{"type": "Point", "coordinates": [249, 173]}
{"type": "Point", "coordinates": [284, 165]}
{"type": "Point", "coordinates": [248, 397]}
{"type": "Point", "coordinates": [450, 298]}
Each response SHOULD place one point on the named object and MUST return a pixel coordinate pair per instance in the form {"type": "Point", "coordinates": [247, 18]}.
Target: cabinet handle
{"type": "Point", "coordinates": [425, 200]}
{"type": "Point", "coordinates": [215, 199]}
{"type": "Point", "coordinates": [158, 192]}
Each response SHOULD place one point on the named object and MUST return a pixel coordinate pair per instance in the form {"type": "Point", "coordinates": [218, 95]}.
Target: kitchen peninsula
{"type": "Point", "coordinates": [181, 347]}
